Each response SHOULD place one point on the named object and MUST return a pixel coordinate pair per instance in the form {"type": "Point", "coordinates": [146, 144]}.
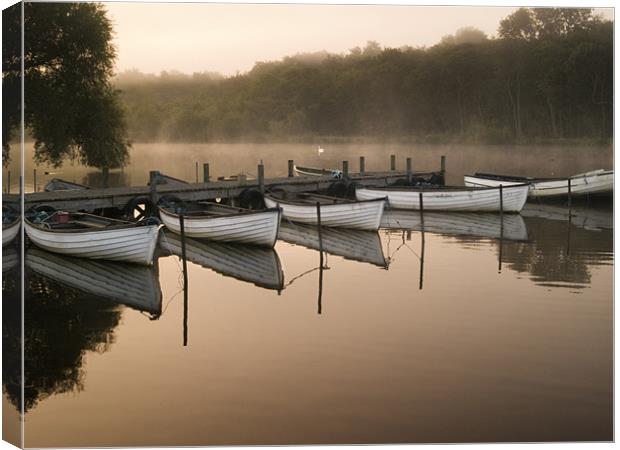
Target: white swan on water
{"type": "Point", "coordinates": [320, 150]}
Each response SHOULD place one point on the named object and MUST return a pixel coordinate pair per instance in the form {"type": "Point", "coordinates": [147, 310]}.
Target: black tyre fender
{"type": "Point", "coordinates": [251, 199]}
{"type": "Point", "coordinates": [338, 189]}
{"type": "Point", "coordinates": [139, 208]}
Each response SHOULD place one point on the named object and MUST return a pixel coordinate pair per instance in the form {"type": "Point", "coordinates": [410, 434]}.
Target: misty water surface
{"type": "Point", "coordinates": [446, 335]}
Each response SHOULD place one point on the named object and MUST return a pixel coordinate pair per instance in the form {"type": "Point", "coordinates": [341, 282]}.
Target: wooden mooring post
{"type": "Point", "coordinates": [185, 298]}
{"type": "Point", "coordinates": [423, 242]}
{"type": "Point", "coordinates": [345, 169]}
{"type": "Point", "coordinates": [443, 164]}
{"type": "Point", "coordinates": [409, 171]}
{"type": "Point", "coordinates": [196, 171]}
{"type": "Point", "coordinates": [291, 168]}
{"type": "Point", "coordinates": [318, 217]}
{"type": "Point", "coordinates": [34, 180]}
{"type": "Point", "coordinates": [392, 162]}
{"type": "Point", "coordinates": [362, 165]}
{"type": "Point", "coordinates": [570, 195]}
{"type": "Point", "coordinates": [8, 182]}
{"type": "Point", "coordinates": [153, 175]}
{"type": "Point", "coordinates": [501, 228]}
{"type": "Point", "coordinates": [205, 173]}
{"type": "Point", "coordinates": [261, 177]}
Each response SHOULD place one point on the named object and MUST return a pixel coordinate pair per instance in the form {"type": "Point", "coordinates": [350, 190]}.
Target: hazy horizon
{"type": "Point", "coordinates": [232, 38]}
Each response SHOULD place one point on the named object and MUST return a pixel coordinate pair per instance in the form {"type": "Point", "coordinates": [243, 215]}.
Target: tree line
{"type": "Point", "coordinates": [547, 76]}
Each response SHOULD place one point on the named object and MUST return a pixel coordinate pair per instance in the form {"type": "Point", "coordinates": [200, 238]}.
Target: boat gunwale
{"type": "Point", "coordinates": [343, 201]}
{"type": "Point", "coordinates": [244, 212]}
{"type": "Point", "coordinates": [121, 226]}
{"type": "Point", "coordinates": [531, 180]}
{"type": "Point", "coordinates": [440, 189]}
{"type": "Point", "coordinates": [6, 226]}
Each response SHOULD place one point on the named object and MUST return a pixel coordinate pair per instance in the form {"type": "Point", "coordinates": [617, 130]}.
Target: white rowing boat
{"type": "Point", "coordinates": [483, 225]}
{"type": "Point", "coordinates": [94, 237]}
{"type": "Point", "coordinates": [444, 198]}
{"type": "Point", "coordinates": [10, 258]}
{"type": "Point", "coordinates": [127, 284]}
{"type": "Point", "coordinates": [223, 223]}
{"type": "Point", "coordinates": [595, 182]}
{"type": "Point", "coordinates": [10, 230]}
{"type": "Point", "coordinates": [258, 265]}
{"type": "Point", "coordinates": [56, 184]}
{"type": "Point", "coordinates": [317, 172]}
{"type": "Point", "coordinates": [335, 212]}
{"type": "Point", "coordinates": [355, 245]}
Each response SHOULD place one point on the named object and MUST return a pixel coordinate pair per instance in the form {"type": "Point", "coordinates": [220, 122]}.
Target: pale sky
{"type": "Point", "coordinates": [226, 38]}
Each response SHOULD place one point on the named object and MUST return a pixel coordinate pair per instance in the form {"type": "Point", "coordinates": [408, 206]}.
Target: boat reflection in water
{"type": "Point", "coordinates": [480, 225]}
{"type": "Point", "coordinates": [563, 248]}
{"type": "Point", "coordinates": [355, 245]}
{"type": "Point", "coordinates": [127, 284]}
{"type": "Point", "coordinates": [258, 265]}
{"type": "Point", "coordinates": [71, 307]}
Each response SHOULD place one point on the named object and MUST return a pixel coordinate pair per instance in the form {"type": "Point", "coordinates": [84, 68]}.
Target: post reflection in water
{"type": "Point", "coordinates": [466, 354]}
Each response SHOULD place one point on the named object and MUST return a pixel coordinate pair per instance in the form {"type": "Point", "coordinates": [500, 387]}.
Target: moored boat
{"type": "Point", "coordinates": [258, 265]}
{"type": "Point", "coordinates": [450, 198]}
{"type": "Point", "coordinates": [94, 237]}
{"type": "Point", "coordinates": [56, 184]}
{"type": "Point", "coordinates": [317, 172]}
{"type": "Point", "coordinates": [335, 212]}
{"type": "Point", "coordinates": [10, 225]}
{"type": "Point", "coordinates": [208, 220]}
{"type": "Point", "coordinates": [599, 181]}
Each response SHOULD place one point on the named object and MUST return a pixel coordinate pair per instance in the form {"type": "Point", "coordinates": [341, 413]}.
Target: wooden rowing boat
{"type": "Point", "coordinates": [447, 198]}
{"type": "Point", "coordinates": [223, 223]}
{"type": "Point", "coordinates": [127, 284]}
{"type": "Point", "coordinates": [484, 225]}
{"type": "Point", "coordinates": [355, 245]}
{"type": "Point", "coordinates": [335, 212]}
{"type": "Point", "coordinates": [10, 258]}
{"type": "Point", "coordinates": [94, 237]}
{"type": "Point", "coordinates": [258, 265]}
{"type": "Point", "coordinates": [317, 172]}
{"type": "Point", "coordinates": [595, 182]}
{"type": "Point", "coordinates": [10, 225]}
{"type": "Point", "coordinates": [56, 184]}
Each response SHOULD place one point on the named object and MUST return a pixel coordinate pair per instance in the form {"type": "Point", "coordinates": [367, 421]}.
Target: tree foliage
{"type": "Point", "coordinates": [71, 109]}
{"type": "Point", "coordinates": [525, 85]}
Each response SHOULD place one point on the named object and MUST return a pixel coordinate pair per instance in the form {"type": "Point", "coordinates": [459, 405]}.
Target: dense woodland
{"type": "Point", "coordinates": [548, 76]}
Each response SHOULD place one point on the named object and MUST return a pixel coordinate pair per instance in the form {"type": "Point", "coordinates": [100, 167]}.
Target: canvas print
{"type": "Point", "coordinates": [299, 224]}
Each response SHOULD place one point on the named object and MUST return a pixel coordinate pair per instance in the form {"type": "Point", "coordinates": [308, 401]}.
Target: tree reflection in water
{"type": "Point", "coordinates": [557, 254]}
{"type": "Point", "coordinates": [62, 324]}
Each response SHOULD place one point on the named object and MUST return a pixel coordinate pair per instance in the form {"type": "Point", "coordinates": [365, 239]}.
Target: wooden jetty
{"type": "Point", "coordinates": [120, 197]}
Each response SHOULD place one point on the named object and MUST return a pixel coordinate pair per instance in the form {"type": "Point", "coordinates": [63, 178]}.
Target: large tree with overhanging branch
{"type": "Point", "coordinates": [71, 109]}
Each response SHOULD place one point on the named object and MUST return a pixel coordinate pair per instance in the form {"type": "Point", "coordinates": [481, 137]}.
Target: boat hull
{"type": "Point", "coordinates": [135, 244]}
{"type": "Point", "coordinates": [591, 183]}
{"type": "Point", "coordinates": [356, 215]}
{"type": "Point", "coordinates": [256, 227]}
{"type": "Point", "coordinates": [478, 200]}
{"type": "Point", "coordinates": [10, 232]}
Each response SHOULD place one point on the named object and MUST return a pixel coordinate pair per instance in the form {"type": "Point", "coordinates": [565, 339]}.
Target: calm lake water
{"type": "Point", "coordinates": [446, 335]}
